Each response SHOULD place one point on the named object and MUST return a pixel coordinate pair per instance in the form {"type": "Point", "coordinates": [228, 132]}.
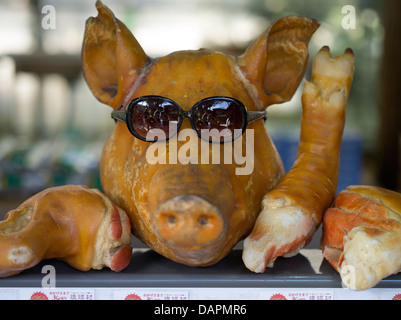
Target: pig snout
{"type": "Point", "coordinates": [190, 207]}
{"type": "Point", "coordinates": [188, 220]}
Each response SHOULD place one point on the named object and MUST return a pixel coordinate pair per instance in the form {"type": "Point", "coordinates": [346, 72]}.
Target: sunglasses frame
{"type": "Point", "coordinates": [247, 116]}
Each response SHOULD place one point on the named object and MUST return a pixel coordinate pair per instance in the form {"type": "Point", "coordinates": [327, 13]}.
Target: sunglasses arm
{"type": "Point", "coordinates": [119, 115]}
{"type": "Point", "coordinates": [255, 115]}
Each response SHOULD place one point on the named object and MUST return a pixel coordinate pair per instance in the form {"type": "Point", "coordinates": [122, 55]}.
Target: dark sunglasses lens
{"type": "Point", "coordinates": [152, 117]}
{"type": "Point", "coordinates": [219, 120]}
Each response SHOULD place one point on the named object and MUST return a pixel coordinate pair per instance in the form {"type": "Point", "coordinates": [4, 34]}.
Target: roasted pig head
{"type": "Point", "coordinates": [191, 210]}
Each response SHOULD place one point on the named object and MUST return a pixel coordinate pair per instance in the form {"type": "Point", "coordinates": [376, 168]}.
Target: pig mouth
{"type": "Point", "coordinates": [197, 257]}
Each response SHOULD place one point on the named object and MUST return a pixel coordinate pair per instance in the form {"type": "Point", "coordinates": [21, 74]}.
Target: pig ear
{"type": "Point", "coordinates": [275, 63]}
{"type": "Point", "coordinates": [111, 57]}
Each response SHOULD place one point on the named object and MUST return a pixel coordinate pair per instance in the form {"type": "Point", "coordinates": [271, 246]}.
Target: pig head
{"type": "Point", "coordinates": [192, 213]}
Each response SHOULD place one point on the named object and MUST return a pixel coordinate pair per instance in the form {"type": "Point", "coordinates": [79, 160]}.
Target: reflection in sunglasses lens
{"type": "Point", "coordinates": [218, 118]}
{"type": "Point", "coordinates": [152, 116]}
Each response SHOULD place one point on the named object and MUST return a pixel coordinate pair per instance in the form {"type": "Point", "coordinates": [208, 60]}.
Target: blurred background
{"type": "Point", "coordinates": [52, 129]}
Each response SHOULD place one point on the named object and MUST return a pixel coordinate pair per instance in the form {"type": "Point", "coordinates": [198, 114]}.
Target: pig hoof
{"type": "Point", "coordinates": [277, 232]}
{"type": "Point", "coordinates": [112, 245]}
{"type": "Point", "coordinates": [362, 235]}
{"type": "Point", "coordinates": [369, 256]}
{"type": "Point", "coordinates": [121, 258]}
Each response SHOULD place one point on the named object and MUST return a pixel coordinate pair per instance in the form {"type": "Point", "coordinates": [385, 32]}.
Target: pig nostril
{"type": "Point", "coordinates": [171, 219]}
{"type": "Point", "coordinates": [188, 221]}
{"type": "Point", "coordinates": [203, 221]}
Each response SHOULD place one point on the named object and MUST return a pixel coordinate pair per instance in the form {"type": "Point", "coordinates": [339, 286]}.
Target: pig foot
{"type": "Point", "coordinates": [278, 231]}
{"type": "Point", "coordinates": [112, 244]}
{"type": "Point", "coordinates": [72, 223]}
{"type": "Point", "coordinates": [369, 255]}
{"type": "Point", "coordinates": [292, 211]}
{"type": "Point", "coordinates": [362, 235]}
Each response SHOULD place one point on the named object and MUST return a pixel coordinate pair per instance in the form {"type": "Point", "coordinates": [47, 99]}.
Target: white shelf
{"type": "Point", "coordinates": [151, 276]}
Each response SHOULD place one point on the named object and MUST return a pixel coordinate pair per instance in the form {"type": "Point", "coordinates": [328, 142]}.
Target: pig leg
{"type": "Point", "coordinates": [362, 235]}
{"type": "Point", "coordinates": [72, 223]}
{"type": "Point", "coordinates": [369, 255]}
{"type": "Point", "coordinates": [292, 211]}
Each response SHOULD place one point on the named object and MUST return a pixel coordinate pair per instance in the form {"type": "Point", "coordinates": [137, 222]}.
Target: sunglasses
{"type": "Point", "coordinates": [214, 119]}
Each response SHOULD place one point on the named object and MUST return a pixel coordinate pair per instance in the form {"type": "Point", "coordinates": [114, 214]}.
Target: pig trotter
{"type": "Point", "coordinates": [78, 225]}
{"type": "Point", "coordinates": [362, 235]}
{"type": "Point", "coordinates": [292, 211]}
